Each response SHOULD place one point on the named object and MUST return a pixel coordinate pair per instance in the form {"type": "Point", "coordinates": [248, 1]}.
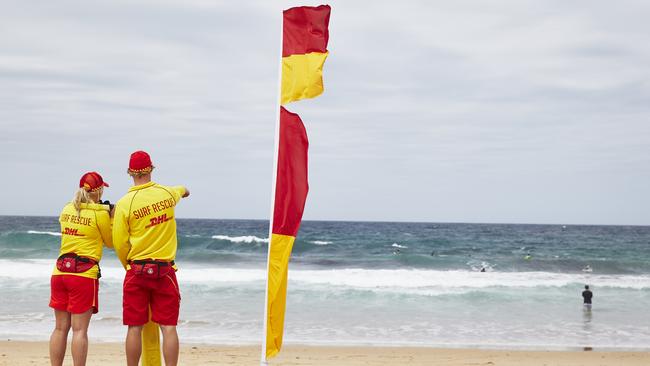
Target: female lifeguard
{"type": "Point", "coordinates": [85, 229]}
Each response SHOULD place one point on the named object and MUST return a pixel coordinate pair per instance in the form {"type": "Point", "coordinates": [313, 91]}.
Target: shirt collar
{"type": "Point", "coordinates": [141, 186]}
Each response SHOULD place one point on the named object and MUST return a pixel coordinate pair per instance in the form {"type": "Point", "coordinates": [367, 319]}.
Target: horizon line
{"type": "Point", "coordinates": [387, 221]}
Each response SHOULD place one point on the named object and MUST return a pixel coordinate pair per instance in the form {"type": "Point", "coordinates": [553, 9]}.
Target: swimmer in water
{"type": "Point", "coordinates": [586, 298]}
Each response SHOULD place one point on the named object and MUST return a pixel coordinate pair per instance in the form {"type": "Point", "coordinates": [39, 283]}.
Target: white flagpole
{"type": "Point", "coordinates": [276, 149]}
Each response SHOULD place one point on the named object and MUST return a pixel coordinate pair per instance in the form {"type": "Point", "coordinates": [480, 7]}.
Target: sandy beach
{"type": "Point", "coordinates": [17, 353]}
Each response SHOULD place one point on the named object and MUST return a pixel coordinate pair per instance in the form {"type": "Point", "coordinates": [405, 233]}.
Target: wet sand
{"type": "Point", "coordinates": [17, 353]}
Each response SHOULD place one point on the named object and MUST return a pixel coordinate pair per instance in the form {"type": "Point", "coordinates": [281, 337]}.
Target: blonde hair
{"type": "Point", "coordinates": [84, 196]}
{"type": "Point", "coordinates": [141, 172]}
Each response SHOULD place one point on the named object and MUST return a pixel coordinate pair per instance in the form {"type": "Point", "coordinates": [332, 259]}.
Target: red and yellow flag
{"type": "Point", "coordinates": [304, 49]}
{"type": "Point", "coordinates": [290, 196]}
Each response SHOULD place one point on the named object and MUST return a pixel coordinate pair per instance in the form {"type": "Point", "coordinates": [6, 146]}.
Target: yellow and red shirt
{"type": "Point", "coordinates": [84, 233]}
{"type": "Point", "coordinates": [144, 226]}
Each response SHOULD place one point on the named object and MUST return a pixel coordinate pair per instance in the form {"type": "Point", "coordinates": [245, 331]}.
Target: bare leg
{"type": "Point", "coordinates": [80, 337]}
{"type": "Point", "coordinates": [170, 344]}
{"type": "Point", "coordinates": [133, 345]}
{"type": "Point", "coordinates": [59, 337]}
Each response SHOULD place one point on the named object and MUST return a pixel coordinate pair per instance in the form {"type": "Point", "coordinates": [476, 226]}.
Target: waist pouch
{"type": "Point", "coordinates": [72, 263]}
{"type": "Point", "coordinates": [151, 268]}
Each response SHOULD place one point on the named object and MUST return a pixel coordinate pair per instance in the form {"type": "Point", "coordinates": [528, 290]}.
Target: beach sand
{"type": "Point", "coordinates": [17, 353]}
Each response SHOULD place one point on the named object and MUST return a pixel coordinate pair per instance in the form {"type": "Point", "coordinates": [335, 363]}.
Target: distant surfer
{"type": "Point", "coordinates": [586, 298]}
{"type": "Point", "coordinates": [528, 257]}
{"type": "Point", "coordinates": [482, 269]}
{"type": "Point", "coordinates": [587, 269]}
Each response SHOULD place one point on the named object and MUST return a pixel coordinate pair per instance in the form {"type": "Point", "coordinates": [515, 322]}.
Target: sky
{"type": "Point", "coordinates": [434, 111]}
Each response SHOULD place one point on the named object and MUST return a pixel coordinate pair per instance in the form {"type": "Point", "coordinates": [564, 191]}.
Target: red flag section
{"type": "Point", "coordinates": [291, 187]}
{"type": "Point", "coordinates": [305, 30]}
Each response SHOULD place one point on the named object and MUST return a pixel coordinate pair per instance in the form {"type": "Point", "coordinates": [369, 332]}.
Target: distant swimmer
{"type": "Point", "coordinates": [586, 298]}
{"type": "Point", "coordinates": [396, 251]}
{"type": "Point", "coordinates": [587, 269]}
{"type": "Point", "coordinates": [482, 269]}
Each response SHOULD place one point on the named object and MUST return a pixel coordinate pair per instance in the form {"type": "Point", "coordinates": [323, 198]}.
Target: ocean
{"type": "Point", "coordinates": [369, 283]}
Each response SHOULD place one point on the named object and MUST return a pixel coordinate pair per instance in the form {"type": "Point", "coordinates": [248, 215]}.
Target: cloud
{"type": "Point", "coordinates": [493, 111]}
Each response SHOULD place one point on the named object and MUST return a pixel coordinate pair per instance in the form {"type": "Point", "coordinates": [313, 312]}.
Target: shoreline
{"type": "Point", "coordinates": [441, 346]}
{"type": "Point", "coordinates": [23, 353]}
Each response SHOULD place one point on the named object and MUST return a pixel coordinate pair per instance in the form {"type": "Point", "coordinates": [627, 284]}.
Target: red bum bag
{"type": "Point", "coordinates": [72, 263]}
{"type": "Point", "coordinates": [151, 268]}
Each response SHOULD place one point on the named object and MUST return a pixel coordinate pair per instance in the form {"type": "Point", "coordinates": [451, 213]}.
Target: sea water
{"type": "Point", "coordinates": [369, 283]}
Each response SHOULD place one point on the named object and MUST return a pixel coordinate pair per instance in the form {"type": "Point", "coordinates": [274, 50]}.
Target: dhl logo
{"type": "Point", "coordinates": [71, 232]}
{"type": "Point", "coordinates": [158, 220]}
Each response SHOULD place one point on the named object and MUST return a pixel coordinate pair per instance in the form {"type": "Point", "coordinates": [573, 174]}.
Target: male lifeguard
{"type": "Point", "coordinates": [144, 237]}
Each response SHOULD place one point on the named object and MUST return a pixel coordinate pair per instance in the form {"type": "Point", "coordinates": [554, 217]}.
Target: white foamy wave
{"type": "Point", "coordinates": [412, 278]}
{"type": "Point", "coordinates": [392, 280]}
{"type": "Point", "coordinates": [40, 270]}
{"type": "Point", "coordinates": [43, 233]}
{"type": "Point", "coordinates": [321, 242]}
{"type": "Point", "coordinates": [416, 281]}
{"type": "Point", "coordinates": [395, 245]}
{"type": "Point", "coordinates": [241, 239]}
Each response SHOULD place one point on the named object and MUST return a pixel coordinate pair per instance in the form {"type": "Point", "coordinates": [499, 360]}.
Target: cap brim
{"type": "Point", "coordinates": [106, 184]}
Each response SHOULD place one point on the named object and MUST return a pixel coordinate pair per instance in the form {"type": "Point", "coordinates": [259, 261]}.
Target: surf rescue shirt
{"type": "Point", "coordinates": [144, 226]}
{"type": "Point", "coordinates": [85, 233]}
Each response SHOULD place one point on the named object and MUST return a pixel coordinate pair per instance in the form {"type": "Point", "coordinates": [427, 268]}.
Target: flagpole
{"type": "Point", "coordinates": [276, 149]}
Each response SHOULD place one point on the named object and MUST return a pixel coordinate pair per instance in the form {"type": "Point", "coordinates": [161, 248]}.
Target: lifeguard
{"type": "Point", "coordinates": [85, 229]}
{"type": "Point", "coordinates": [144, 236]}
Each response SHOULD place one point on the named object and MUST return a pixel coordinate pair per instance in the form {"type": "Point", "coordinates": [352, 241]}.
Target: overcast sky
{"type": "Point", "coordinates": [444, 111]}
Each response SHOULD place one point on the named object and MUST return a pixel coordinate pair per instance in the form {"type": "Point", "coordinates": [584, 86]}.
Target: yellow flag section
{"type": "Point", "coordinates": [281, 246]}
{"type": "Point", "coordinates": [302, 76]}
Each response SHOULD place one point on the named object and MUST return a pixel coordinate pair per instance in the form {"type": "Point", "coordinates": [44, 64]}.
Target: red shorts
{"type": "Point", "coordinates": [74, 294]}
{"type": "Point", "coordinates": [141, 292]}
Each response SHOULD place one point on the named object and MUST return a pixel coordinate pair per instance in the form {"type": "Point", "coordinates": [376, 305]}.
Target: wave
{"type": "Point", "coordinates": [43, 233]}
{"type": "Point", "coordinates": [321, 242]}
{"type": "Point", "coordinates": [391, 280]}
{"type": "Point", "coordinates": [395, 245]}
{"type": "Point", "coordinates": [241, 239]}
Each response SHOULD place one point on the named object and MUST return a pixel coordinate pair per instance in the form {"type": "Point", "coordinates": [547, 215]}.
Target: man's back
{"type": "Point", "coordinates": [586, 296]}
{"type": "Point", "coordinates": [144, 225]}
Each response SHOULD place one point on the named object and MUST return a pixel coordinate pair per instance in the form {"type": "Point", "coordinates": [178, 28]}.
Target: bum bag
{"type": "Point", "coordinates": [73, 263]}
{"type": "Point", "coordinates": [150, 268]}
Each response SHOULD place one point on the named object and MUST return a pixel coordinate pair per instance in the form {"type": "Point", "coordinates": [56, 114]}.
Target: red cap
{"type": "Point", "coordinates": [140, 162]}
{"type": "Point", "coordinates": [92, 181]}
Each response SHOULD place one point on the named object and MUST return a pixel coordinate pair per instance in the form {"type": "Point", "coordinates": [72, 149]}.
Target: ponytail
{"type": "Point", "coordinates": [84, 196]}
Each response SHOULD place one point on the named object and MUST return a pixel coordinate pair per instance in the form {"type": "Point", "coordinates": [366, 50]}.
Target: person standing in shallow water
{"type": "Point", "coordinates": [144, 235]}
{"type": "Point", "coordinates": [586, 298]}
